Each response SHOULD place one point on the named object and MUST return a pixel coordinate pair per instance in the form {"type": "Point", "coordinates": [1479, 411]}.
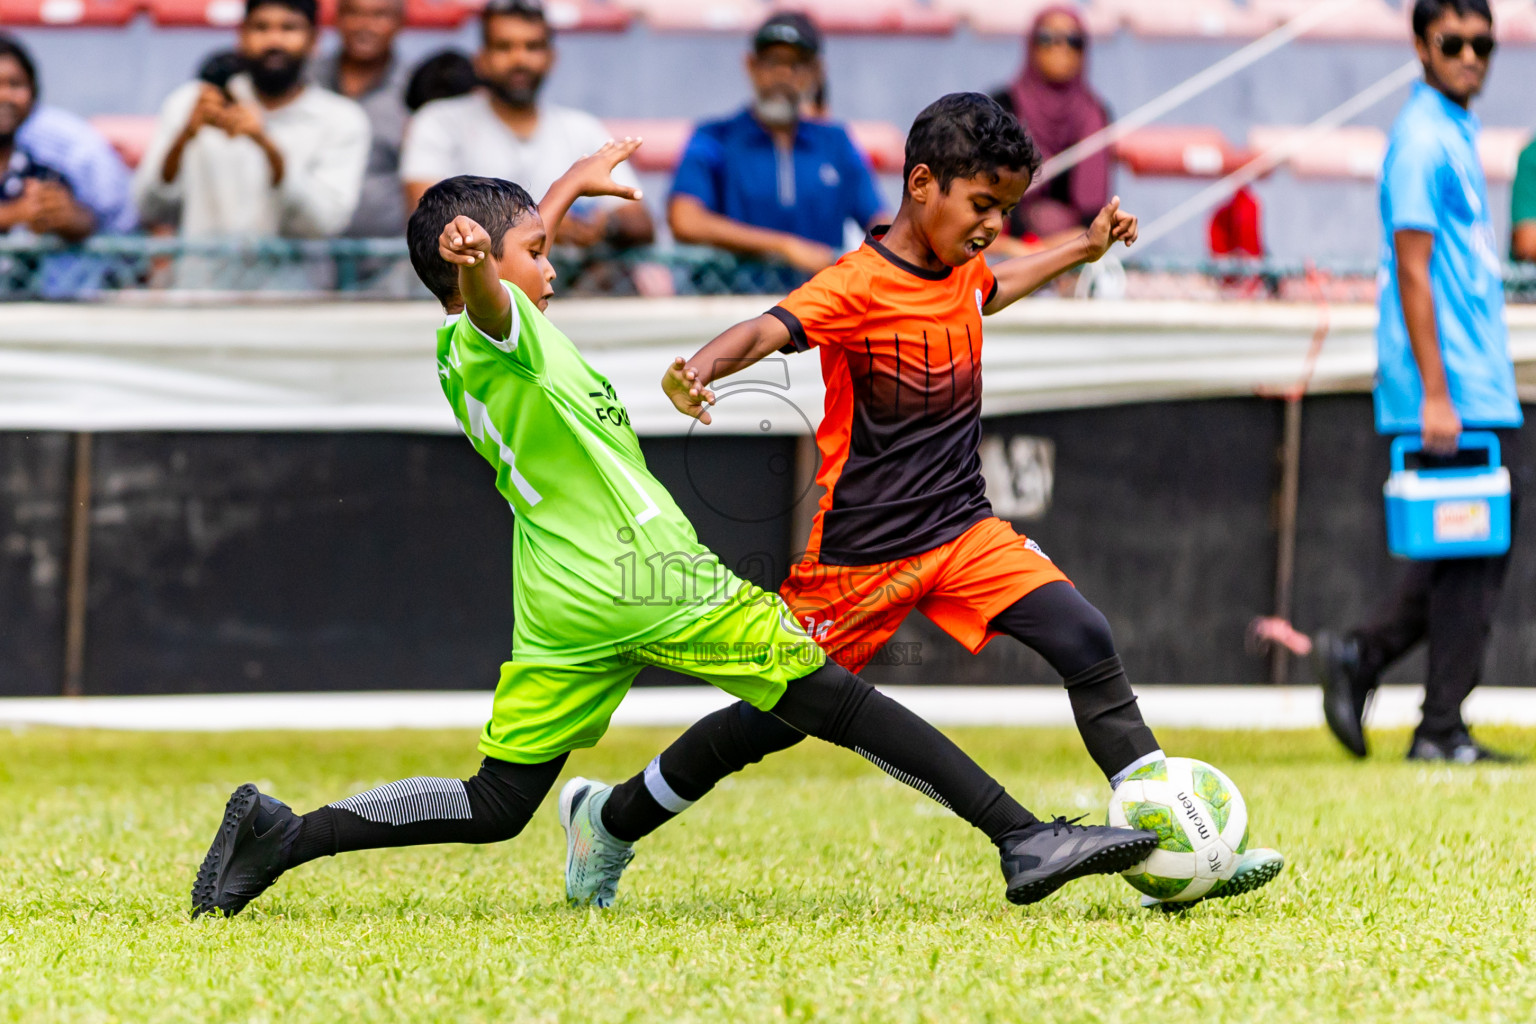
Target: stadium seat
{"type": "Point", "coordinates": [1351, 152]}
{"type": "Point", "coordinates": [1009, 17]}
{"type": "Point", "coordinates": [1364, 19]}
{"type": "Point", "coordinates": [700, 15]}
{"type": "Point", "coordinates": [197, 13]}
{"type": "Point", "coordinates": [129, 134]}
{"type": "Point", "coordinates": [1171, 151]}
{"type": "Point", "coordinates": [68, 12]}
{"type": "Point", "coordinates": [587, 16]}
{"type": "Point", "coordinates": [1518, 26]}
{"type": "Point", "coordinates": [875, 17]}
{"type": "Point", "coordinates": [1500, 149]}
{"type": "Point", "coordinates": [885, 144]}
{"type": "Point", "coordinates": [1192, 18]}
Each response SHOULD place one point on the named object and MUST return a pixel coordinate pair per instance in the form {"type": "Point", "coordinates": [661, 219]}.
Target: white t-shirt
{"type": "Point", "coordinates": [463, 135]}
{"type": "Point", "coordinates": [225, 187]}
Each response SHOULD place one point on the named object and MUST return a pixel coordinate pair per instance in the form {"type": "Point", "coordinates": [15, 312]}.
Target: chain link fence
{"type": "Point", "coordinates": [105, 267]}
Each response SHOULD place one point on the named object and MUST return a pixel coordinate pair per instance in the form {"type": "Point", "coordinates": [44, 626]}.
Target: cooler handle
{"type": "Point", "coordinates": [1487, 439]}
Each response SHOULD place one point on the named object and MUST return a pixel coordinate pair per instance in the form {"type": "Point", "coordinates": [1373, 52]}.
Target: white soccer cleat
{"type": "Point", "coordinates": [594, 860]}
{"type": "Point", "coordinates": [1255, 869]}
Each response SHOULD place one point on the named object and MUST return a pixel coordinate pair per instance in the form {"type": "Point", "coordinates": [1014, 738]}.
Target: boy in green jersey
{"type": "Point", "coordinates": [608, 577]}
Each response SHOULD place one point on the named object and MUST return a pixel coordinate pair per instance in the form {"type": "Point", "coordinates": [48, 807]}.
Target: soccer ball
{"type": "Point", "coordinates": [1200, 820]}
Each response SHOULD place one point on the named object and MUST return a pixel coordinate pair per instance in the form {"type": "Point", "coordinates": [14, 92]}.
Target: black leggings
{"type": "Point", "coordinates": [1055, 620]}
{"type": "Point", "coordinates": [489, 807]}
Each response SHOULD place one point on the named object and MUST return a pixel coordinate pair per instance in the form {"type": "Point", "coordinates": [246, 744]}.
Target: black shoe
{"type": "Point", "coordinates": [1042, 858]}
{"type": "Point", "coordinates": [248, 852]}
{"type": "Point", "coordinates": [1336, 661]}
{"type": "Point", "coordinates": [1462, 749]}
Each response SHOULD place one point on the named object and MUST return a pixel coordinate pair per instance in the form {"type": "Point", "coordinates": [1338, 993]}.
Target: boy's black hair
{"type": "Point", "coordinates": [1426, 11]}
{"type": "Point", "coordinates": [12, 48]}
{"type": "Point", "coordinates": [494, 203]}
{"type": "Point", "coordinates": [965, 134]}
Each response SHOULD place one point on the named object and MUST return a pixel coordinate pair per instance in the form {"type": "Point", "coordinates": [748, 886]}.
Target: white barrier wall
{"type": "Point", "coordinates": [370, 366]}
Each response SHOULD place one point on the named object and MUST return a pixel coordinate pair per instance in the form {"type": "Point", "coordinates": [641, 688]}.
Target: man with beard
{"type": "Point", "coordinates": [366, 69]}
{"type": "Point", "coordinates": [766, 182]}
{"type": "Point", "coordinates": [501, 130]}
{"type": "Point", "coordinates": [265, 154]}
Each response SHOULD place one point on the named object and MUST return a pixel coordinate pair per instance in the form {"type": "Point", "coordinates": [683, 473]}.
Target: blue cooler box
{"type": "Point", "coordinates": [1448, 513]}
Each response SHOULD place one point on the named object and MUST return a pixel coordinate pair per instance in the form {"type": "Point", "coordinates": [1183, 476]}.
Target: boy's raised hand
{"type": "Point", "coordinates": [464, 242]}
{"type": "Point", "coordinates": [682, 386]}
{"type": "Point", "coordinates": [593, 175]}
{"type": "Point", "coordinates": [1110, 226]}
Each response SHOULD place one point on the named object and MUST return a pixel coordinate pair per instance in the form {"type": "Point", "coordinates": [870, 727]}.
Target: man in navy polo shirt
{"type": "Point", "coordinates": [1443, 366]}
{"type": "Point", "coordinates": [767, 183]}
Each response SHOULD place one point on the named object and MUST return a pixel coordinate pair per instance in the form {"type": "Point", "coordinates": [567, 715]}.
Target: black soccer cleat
{"type": "Point", "coordinates": [248, 853]}
{"type": "Point", "coordinates": [1042, 858]}
{"type": "Point", "coordinates": [1460, 749]}
{"type": "Point", "coordinates": [1336, 662]}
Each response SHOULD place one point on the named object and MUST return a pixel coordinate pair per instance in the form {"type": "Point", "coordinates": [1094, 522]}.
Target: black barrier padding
{"type": "Point", "coordinates": [1162, 517]}
{"type": "Point", "coordinates": [34, 497]}
{"type": "Point", "coordinates": [229, 562]}
{"type": "Point", "coordinates": [1343, 570]}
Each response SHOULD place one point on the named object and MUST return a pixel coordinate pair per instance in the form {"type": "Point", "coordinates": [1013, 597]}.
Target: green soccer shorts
{"type": "Point", "coordinates": [750, 647]}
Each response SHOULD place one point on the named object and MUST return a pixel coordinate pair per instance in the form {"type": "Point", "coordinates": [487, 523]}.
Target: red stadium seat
{"type": "Point", "coordinates": [996, 17]}
{"type": "Point", "coordinates": [68, 12]}
{"type": "Point", "coordinates": [1364, 19]}
{"type": "Point", "coordinates": [1517, 26]}
{"type": "Point", "coordinates": [1168, 151]}
{"type": "Point", "coordinates": [1500, 149]}
{"type": "Point", "coordinates": [665, 139]}
{"type": "Point", "coordinates": [701, 15]}
{"type": "Point", "coordinates": [197, 13]}
{"type": "Point", "coordinates": [587, 16]}
{"type": "Point", "coordinates": [873, 17]}
{"type": "Point", "coordinates": [1352, 152]}
{"type": "Point", "coordinates": [1193, 19]}
{"type": "Point", "coordinates": [883, 143]}
{"type": "Point", "coordinates": [129, 134]}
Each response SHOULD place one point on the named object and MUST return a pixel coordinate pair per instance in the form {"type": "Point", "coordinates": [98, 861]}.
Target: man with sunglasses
{"type": "Point", "coordinates": [1443, 366]}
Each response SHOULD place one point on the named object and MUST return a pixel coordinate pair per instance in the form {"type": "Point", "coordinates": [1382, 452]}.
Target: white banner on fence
{"type": "Point", "coordinates": [370, 366]}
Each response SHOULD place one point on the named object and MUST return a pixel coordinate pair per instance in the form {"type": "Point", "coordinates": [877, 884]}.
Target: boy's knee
{"type": "Point", "coordinates": [823, 703]}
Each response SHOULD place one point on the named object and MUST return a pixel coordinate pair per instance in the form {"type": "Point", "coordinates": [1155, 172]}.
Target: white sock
{"type": "Point", "coordinates": [1144, 759]}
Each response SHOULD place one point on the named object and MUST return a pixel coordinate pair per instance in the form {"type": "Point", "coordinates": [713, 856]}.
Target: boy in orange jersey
{"type": "Point", "coordinates": [905, 524]}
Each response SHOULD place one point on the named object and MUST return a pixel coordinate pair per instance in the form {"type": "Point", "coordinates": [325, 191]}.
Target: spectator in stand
{"type": "Point", "coordinates": [768, 182]}
{"type": "Point", "coordinates": [1053, 101]}
{"type": "Point", "coordinates": [58, 176]}
{"type": "Point", "coordinates": [502, 130]}
{"type": "Point", "coordinates": [265, 155]}
{"type": "Point", "coordinates": [365, 69]}
{"type": "Point", "coordinates": [1522, 219]}
{"type": "Point", "coordinates": [442, 76]}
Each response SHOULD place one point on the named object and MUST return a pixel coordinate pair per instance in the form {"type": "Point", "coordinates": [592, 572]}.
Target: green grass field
{"type": "Point", "coordinates": [809, 887]}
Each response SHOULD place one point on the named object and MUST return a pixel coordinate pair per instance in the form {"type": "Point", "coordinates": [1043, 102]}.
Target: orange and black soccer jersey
{"type": "Point", "coordinates": [901, 358]}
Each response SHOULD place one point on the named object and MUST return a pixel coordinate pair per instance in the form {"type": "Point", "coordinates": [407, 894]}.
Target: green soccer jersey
{"type": "Point", "coordinates": [602, 556]}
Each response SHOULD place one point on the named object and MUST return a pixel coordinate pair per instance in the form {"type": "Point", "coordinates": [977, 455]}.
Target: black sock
{"type": "Point", "coordinates": [1074, 637]}
{"type": "Point", "coordinates": [717, 745]}
{"type": "Point", "coordinates": [835, 705]}
{"type": "Point", "coordinates": [490, 807]}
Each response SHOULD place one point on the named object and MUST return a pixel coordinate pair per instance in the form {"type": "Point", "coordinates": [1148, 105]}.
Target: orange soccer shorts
{"type": "Point", "coordinates": [853, 610]}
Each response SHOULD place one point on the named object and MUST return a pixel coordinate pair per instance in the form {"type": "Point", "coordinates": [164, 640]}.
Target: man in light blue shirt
{"type": "Point", "coordinates": [1443, 365]}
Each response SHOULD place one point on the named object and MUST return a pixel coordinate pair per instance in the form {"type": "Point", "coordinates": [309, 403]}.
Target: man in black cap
{"type": "Point", "coordinates": [257, 152]}
{"type": "Point", "coordinates": [767, 182]}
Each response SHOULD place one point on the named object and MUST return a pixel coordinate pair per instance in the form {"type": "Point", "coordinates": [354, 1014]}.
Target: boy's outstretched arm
{"type": "Point", "coordinates": [687, 380]}
{"type": "Point", "coordinates": [1018, 277]}
{"type": "Point", "coordinates": [468, 245]}
{"type": "Point", "coordinates": [589, 176]}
